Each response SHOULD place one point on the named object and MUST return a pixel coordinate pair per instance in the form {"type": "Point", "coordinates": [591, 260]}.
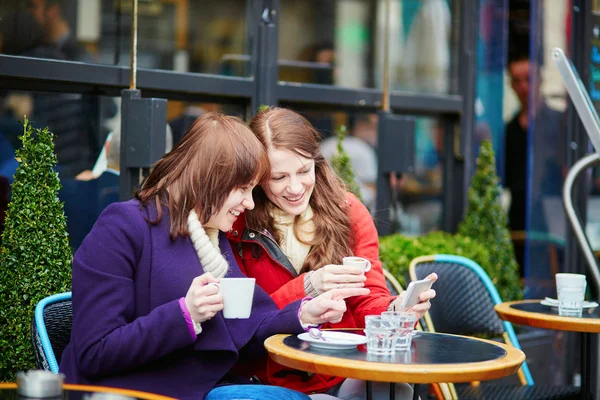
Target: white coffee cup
{"type": "Point", "coordinates": [238, 294]}
{"type": "Point", "coordinates": [570, 280]}
{"type": "Point", "coordinates": [357, 262]}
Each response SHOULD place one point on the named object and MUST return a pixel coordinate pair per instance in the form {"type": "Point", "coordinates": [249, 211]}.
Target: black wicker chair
{"type": "Point", "coordinates": [51, 330]}
{"type": "Point", "coordinates": [464, 305]}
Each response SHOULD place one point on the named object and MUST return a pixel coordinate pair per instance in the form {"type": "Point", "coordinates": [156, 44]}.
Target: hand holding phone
{"type": "Point", "coordinates": [414, 290]}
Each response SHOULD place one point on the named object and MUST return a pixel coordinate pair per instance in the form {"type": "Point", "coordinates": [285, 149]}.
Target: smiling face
{"type": "Point", "coordinates": [239, 200]}
{"type": "Point", "coordinates": [292, 181]}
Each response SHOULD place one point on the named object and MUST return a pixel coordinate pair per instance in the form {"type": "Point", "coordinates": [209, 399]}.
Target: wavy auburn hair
{"type": "Point", "coordinates": [283, 129]}
{"type": "Point", "coordinates": [218, 154]}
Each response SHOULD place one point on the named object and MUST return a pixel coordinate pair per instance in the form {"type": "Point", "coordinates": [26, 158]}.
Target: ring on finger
{"type": "Point", "coordinates": [339, 286]}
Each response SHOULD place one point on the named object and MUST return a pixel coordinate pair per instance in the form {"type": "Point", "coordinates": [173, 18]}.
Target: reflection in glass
{"type": "Point", "coordinates": [419, 205]}
{"type": "Point", "coordinates": [88, 153]}
{"type": "Point", "coordinates": [541, 156]}
{"type": "Point", "coordinates": [417, 208]}
{"type": "Point", "coordinates": [179, 35]}
{"type": "Point", "coordinates": [342, 43]}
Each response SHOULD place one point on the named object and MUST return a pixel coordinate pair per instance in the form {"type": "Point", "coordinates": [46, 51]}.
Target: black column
{"type": "Point", "coordinates": [266, 53]}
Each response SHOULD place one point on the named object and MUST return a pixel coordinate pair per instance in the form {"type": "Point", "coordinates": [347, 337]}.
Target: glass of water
{"type": "Point", "coordinates": [570, 301]}
{"type": "Point", "coordinates": [571, 292]}
{"type": "Point", "coordinates": [406, 325]}
{"type": "Point", "coordinates": [381, 334]}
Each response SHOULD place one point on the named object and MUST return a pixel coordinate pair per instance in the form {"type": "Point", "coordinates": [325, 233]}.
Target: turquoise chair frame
{"type": "Point", "coordinates": [41, 327]}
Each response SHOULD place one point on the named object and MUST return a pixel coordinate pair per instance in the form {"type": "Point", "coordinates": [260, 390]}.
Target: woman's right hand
{"type": "Point", "coordinates": [203, 300]}
{"type": "Point", "coordinates": [333, 276]}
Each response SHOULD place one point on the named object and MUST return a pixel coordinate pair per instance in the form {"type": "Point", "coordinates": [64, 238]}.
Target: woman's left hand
{"type": "Point", "coordinates": [424, 300]}
{"type": "Point", "coordinates": [329, 306]}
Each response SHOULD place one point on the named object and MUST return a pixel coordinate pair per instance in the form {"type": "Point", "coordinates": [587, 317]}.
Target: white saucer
{"type": "Point", "coordinates": [334, 340]}
{"type": "Point", "coordinates": [550, 302]}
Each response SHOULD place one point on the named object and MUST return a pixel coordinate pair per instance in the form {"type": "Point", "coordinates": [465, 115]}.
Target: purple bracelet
{"type": "Point", "coordinates": [187, 316]}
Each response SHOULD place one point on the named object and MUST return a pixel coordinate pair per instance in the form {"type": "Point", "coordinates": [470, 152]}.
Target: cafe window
{"type": "Point", "coordinates": [342, 43]}
{"type": "Point", "coordinates": [177, 35]}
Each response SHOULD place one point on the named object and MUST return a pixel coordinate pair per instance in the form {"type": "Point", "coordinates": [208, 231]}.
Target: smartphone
{"type": "Point", "coordinates": [414, 290]}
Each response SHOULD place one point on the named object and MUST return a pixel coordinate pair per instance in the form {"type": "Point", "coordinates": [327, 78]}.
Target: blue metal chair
{"type": "Point", "coordinates": [51, 330]}
{"type": "Point", "coordinates": [464, 305]}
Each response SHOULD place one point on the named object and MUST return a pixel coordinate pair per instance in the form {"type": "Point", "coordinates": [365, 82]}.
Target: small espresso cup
{"type": "Point", "coordinates": [238, 294]}
{"type": "Point", "coordinates": [357, 262]}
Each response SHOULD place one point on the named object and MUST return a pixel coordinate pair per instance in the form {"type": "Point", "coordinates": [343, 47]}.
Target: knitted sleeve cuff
{"type": "Point", "coordinates": [309, 289]}
{"type": "Point", "coordinates": [306, 327]}
{"type": "Point", "coordinates": [194, 327]}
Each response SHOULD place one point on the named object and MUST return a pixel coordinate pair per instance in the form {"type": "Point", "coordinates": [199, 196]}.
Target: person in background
{"type": "Point", "coordinates": [146, 315]}
{"type": "Point", "coordinates": [50, 15]}
{"type": "Point", "coordinates": [75, 119]}
{"type": "Point", "coordinates": [294, 240]}
{"type": "Point", "coordinates": [545, 140]}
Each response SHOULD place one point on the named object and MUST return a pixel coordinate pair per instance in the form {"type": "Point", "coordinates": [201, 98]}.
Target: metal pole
{"type": "Point", "coordinates": [568, 189]}
{"type": "Point", "coordinates": [469, 17]}
{"type": "Point", "coordinates": [385, 101]}
{"type": "Point", "coordinates": [586, 366]}
{"type": "Point", "coordinates": [134, 43]}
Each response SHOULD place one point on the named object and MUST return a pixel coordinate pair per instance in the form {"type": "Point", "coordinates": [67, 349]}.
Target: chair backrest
{"type": "Point", "coordinates": [392, 283]}
{"type": "Point", "coordinates": [51, 330]}
{"type": "Point", "coordinates": [465, 299]}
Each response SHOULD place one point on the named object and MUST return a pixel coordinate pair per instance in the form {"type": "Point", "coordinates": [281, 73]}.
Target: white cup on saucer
{"type": "Point", "coordinates": [357, 262]}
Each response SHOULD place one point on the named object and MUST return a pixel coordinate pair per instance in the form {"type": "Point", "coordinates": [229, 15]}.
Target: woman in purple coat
{"type": "Point", "coordinates": [145, 315]}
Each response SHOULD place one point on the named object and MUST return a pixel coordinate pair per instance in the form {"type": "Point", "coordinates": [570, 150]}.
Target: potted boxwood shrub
{"type": "Point", "coordinates": [342, 165]}
{"type": "Point", "coordinates": [35, 257]}
{"type": "Point", "coordinates": [487, 222]}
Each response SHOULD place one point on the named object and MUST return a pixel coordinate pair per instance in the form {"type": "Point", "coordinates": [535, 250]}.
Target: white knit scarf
{"type": "Point", "coordinates": [295, 250]}
{"type": "Point", "coordinates": [207, 250]}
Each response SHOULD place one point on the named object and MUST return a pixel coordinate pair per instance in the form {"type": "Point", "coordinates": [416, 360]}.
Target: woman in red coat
{"type": "Point", "coordinates": [294, 240]}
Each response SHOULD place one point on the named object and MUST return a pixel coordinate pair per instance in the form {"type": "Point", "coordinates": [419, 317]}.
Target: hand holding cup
{"type": "Point", "coordinates": [203, 300]}
{"type": "Point", "coordinates": [334, 276]}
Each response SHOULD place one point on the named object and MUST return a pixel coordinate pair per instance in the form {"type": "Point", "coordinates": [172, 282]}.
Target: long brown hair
{"type": "Point", "coordinates": [283, 129]}
{"type": "Point", "coordinates": [218, 154]}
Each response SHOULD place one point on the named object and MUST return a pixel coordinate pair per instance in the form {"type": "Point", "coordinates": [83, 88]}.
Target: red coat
{"type": "Point", "coordinates": [261, 258]}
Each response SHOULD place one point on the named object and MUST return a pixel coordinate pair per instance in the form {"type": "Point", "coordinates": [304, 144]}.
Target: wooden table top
{"type": "Point", "coordinates": [80, 390]}
{"type": "Point", "coordinates": [434, 357]}
{"type": "Point", "coordinates": [532, 313]}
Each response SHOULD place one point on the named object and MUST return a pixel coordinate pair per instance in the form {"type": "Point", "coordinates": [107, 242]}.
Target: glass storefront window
{"type": "Point", "coordinates": [538, 151]}
{"type": "Point", "coordinates": [178, 35]}
{"type": "Point", "coordinates": [87, 143]}
{"type": "Point", "coordinates": [420, 197]}
{"type": "Point", "coordinates": [418, 206]}
{"type": "Point", "coordinates": [342, 43]}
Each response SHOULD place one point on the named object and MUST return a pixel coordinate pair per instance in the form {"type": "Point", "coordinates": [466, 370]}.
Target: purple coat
{"type": "Point", "coordinates": [128, 328]}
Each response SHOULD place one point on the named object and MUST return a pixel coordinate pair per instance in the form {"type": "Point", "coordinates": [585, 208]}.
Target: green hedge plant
{"type": "Point", "coordinates": [397, 251]}
{"type": "Point", "coordinates": [35, 257]}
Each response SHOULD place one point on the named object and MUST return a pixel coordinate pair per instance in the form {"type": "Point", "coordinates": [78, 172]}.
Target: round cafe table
{"type": "Point", "coordinates": [433, 357]}
{"type": "Point", "coordinates": [533, 313]}
{"type": "Point", "coordinates": [75, 392]}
